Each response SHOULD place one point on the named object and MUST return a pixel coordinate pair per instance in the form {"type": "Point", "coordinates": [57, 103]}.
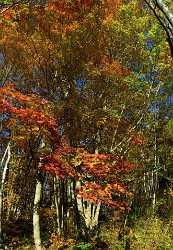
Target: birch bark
{"type": "Point", "coordinates": [36, 217]}
{"type": "Point", "coordinates": [4, 167]}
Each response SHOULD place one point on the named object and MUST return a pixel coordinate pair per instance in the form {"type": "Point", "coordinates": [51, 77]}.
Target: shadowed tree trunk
{"type": "Point", "coordinates": [4, 167]}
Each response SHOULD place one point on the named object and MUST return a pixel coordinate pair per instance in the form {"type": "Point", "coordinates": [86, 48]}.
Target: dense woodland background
{"type": "Point", "coordinates": [86, 124]}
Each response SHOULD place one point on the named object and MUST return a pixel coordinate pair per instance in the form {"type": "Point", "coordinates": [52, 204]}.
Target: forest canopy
{"type": "Point", "coordinates": [86, 124]}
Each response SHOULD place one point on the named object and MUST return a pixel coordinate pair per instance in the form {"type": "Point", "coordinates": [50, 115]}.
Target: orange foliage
{"type": "Point", "coordinates": [65, 6]}
{"type": "Point", "coordinates": [111, 9]}
{"type": "Point", "coordinates": [8, 14]}
{"type": "Point", "coordinates": [113, 66]}
{"type": "Point", "coordinates": [97, 193]}
{"type": "Point", "coordinates": [116, 68]}
{"type": "Point", "coordinates": [113, 5]}
{"type": "Point", "coordinates": [64, 161]}
{"type": "Point", "coordinates": [57, 6]}
{"type": "Point", "coordinates": [100, 166]}
{"type": "Point", "coordinates": [138, 140]}
{"type": "Point", "coordinates": [69, 9]}
{"type": "Point", "coordinates": [10, 90]}
{"type": "Point", "coordinates": [56, 165]}
{"type": "Point", "coordinates": [28, 115]}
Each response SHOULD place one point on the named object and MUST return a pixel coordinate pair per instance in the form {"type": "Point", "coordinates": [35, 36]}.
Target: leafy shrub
{"type": "Point", "coordinates": [152, 233]}
{"type": "Point", "coordinates": [56, 242]}
{"type": "Point", "coordinates": [82, 246]}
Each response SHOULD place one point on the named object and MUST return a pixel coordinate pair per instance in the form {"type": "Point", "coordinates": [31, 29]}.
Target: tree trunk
{"type": "Point", "coordinates": [65, 206]}
{"type": "Point", "coordinates": [165, 17]}
{"type": "Point", "coordinates": [56, 197]}
{"type": "Point", "coordinates": [4, 168]}
{"type": "Point", "coordinates": [165, 10]}
{"type": "Point", "coordinates": [36, 217]}
{"type": "Point", "coordinates": [88, 214]}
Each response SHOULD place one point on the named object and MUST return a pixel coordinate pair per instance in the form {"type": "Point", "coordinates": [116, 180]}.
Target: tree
{"type": "Point", "coordinates": [100, 167]}
{"type": "Point", "coordinates": [164, 15]}
{"type": "Point", "coordinates": [90, 105]}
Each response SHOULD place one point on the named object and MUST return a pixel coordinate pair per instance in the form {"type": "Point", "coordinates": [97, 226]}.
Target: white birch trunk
{"type": "Point", "coordinates": [56, 204]}
{"type": "Point", "coordinates": [166, 11]}
{"type": "Point", "coordinates": [88, 211]}
{"type": "Point", "coordinates": [36, 217]}
{"type": "Point", "coordinates": [4, 166]}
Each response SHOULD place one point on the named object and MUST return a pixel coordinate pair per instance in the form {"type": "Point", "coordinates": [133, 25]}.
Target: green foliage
{"type": "Point", "coordinates": [7, 1]}
{"type": "Point", "coordinates": [152, 233]}
{"type": "Point", "coordinates": [82, 246]}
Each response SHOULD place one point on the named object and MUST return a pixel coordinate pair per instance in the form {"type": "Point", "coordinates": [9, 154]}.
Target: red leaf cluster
{"type": "Point", "coordinates": [59, 168]}
{"type": "Point", "coordinates": [67, 161]}
{"type": "Point", "coordinates": [138, 140]}
{"type": "Point", "coordinates": [64, 6]}
{"type": "Point", "coordinates": [11, 91]}
{"type": "Point", "coordinates": [56, 165]}
{"type": "Point", "coordinates": [97, 193]}
{"type": "Point", "coordinates": [28, 115]}
{"type": "Point", "coordinates": [8, 14]}
{"type": "Point", "coordinates": [99, 166]}
{"type": "Point", "coordinates": [102, 165]}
